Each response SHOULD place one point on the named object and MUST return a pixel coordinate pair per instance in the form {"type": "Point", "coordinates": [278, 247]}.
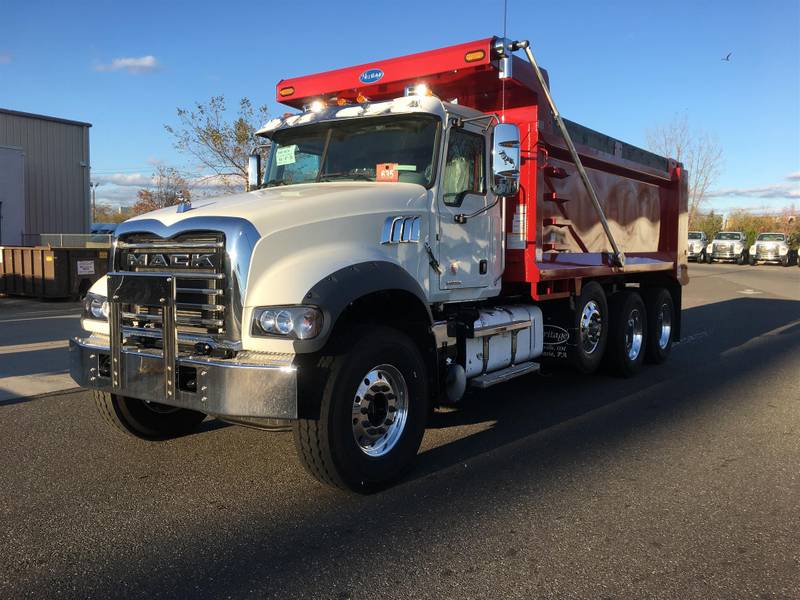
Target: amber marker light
{"type": "Point", "coordinates": [287, 91]}
{"type": "Point", "coordinates": [474, 55]}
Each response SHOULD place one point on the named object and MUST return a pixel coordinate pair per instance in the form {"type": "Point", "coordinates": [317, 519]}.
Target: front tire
{"type": "Point", "coordinates": [785, 261]}
{"type": "Point", "coordinates": [628, 333]}
{"type": "Point", "coordinates": [373, 409]}
{"type": "Point", "coordinates": [146, 420]}
{"type": "Point", "coordinates": [742, 259]}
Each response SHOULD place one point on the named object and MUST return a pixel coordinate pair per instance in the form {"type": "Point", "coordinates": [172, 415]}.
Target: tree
{"type": "Point", "coordinates": [222, 147]}
{"type": "Point", "coordinates": [169, 188]}
{"type": "Point", "coordinates": [709, 223]}
{"type": "Point", "coordinates": [699, 152]}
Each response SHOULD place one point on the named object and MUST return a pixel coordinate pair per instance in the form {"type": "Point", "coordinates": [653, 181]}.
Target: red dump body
{"type": "Point", "coordinates": [554, 235]}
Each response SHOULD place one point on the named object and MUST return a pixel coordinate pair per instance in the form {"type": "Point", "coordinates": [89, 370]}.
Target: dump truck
{"type": "Point", "coordinates": [424, 226]}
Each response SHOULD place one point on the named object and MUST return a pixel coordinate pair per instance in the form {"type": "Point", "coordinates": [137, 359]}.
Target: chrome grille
{"type": "Point", "coordinates": [197, 262]}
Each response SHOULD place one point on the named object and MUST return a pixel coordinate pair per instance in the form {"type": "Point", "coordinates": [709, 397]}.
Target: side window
{"type": "Point", "coordinates": [464, 168]}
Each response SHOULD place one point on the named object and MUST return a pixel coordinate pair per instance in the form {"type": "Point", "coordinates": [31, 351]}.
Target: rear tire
{"type": "Point", "coordinates": [591, 325]}
{"type": "Point", "coordinates": [627, 336]}
{"type": "Point", "coordinates": [373, 410]}
{"type": "Point", "coordinates": [146, 420]}
{"type": "Point", "coordinates": [661, 324]}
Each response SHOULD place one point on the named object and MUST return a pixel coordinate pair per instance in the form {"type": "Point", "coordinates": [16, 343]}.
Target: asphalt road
{"type": "Point", "coordinates": [681, 483]}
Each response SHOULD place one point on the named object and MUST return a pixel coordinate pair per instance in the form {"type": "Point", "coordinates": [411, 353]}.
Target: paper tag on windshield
{"type": "Point", "coordinates": [286, 155]}
{"type": "Point", "coordinates": [386, 172]}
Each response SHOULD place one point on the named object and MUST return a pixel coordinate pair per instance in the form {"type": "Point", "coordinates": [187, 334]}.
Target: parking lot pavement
{"type": "Point", "coordinates": [682, 482]}
{"type": "Point", "coordinates": [33, 346]}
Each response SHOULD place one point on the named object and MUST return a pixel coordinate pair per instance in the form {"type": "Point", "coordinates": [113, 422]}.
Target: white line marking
{"type": "Point", "coordinates": [32, 347]}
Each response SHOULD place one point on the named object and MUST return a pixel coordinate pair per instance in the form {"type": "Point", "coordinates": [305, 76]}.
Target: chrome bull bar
{"type": "Point", "coordinates": [143, 289]}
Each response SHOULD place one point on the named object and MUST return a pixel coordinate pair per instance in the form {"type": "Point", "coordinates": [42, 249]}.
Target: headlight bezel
{"type": "Point", "coordinates": [295, 322]}
{"type": "Point", "coordinates": [95, 307]}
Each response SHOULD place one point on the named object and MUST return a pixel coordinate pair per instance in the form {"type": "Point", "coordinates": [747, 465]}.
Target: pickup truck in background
{"type": "Point", "coordinates": [696, 246]}
{"type": "Point", "coordinates": [729, 246]}
{"type": "Point", "coordinates": [424, 224]}
{"type": "Point", "coordinates": [771, 248]}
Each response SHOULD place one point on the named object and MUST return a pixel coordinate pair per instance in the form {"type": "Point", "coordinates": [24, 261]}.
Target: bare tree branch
{"type": "Point", "coordinates": [699, 152]}
{"type": "Point", "coordinates": [219, 145]}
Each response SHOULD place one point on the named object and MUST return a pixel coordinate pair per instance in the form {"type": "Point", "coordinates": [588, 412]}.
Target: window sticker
{"type": "Point", "coordinates": [286, 155]}
{"type": "Point", "coordinates": [386, 172]}
{"type": "Point", "coordinates": [407, 168]}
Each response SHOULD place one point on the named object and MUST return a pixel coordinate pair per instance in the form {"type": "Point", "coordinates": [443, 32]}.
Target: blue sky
{"type": "Point", "coordinates": [619, 66]}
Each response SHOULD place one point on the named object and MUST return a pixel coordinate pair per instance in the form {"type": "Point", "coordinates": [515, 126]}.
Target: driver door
{"type": "Point", "coordinates": [464, 248]}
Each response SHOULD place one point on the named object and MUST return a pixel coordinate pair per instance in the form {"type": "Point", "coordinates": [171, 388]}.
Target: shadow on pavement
{"type": "Point", "coordinates": [538, 426]}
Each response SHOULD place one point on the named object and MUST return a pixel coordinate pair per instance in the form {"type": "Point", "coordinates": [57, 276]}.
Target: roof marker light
{"type": "Point", "coordinates": [287, 91]}
{"type": "Point", "coordinates": [418, 90]}
{"type": "Point", "coordinates": [474, 55]}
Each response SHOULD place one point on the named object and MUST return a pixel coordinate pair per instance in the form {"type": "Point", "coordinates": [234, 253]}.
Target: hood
{"type": "Point", "coordinates": [277, 208]}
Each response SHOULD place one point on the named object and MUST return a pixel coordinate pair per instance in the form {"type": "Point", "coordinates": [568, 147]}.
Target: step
{"type": "Point", "coordinates": [495, 377]}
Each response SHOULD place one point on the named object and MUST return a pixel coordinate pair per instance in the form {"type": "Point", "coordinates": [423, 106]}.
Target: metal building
{"type": "Point", "coordinates": [44, 176]}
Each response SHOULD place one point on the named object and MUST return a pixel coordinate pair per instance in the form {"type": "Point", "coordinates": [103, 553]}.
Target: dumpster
{"type": "Point", "coordinates": [46, 272]}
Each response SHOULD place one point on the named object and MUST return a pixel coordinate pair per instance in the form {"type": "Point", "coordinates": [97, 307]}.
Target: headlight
{"type": "Point", "coordinates": [752, 249]}
{"type": "Point", "coordinates": [95, 307]}
{"type": "Point", "coordinates": [297, 322]}
{"type": "Point", "coordinates": [783, 249]}
{"type": "Point", "coordinates": [737, 247]}
{"type": "Point", "coordinates": [710, 247]}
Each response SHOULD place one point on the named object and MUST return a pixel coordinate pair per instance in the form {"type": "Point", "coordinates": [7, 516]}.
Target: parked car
{"type": "Point", "coordinates": [770, 248]}
{"type": "Point", "coordinates": [728, 246]}
{"type": "Point", "coordinates": [696, 246]}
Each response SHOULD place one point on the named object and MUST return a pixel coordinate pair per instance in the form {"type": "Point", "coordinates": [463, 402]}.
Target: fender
{"type": "Point", "coordinates": [335, 292]}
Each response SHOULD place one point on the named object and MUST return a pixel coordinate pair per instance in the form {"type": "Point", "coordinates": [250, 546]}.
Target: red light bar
{"type": "Point", "coordinates": [388, 78]}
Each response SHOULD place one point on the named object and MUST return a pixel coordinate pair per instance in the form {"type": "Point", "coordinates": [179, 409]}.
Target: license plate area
{"type": "Point", "coordinates": [156, 290]}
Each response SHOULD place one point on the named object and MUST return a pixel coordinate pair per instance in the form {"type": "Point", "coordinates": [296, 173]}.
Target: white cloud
{"type": "Point", "coordinates": [141, 64]}
{"type": "Point", "coordinates": [124, 179]}
{"type": "Point", "coordinates": [780, 191]}
{"type": "Point", "coordinates": [5, 58]}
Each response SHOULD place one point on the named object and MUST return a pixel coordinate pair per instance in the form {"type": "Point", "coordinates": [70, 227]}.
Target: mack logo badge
{"type": "Point", "coordinates": [184, 261]}
{"type": "Point", "coordinates": [371, 76]}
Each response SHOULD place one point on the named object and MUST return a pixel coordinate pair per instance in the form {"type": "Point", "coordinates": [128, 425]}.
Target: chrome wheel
{"type": "Point", "coordinates": [380, 410]}
{"type": "Point", "coordinates": [664, 325]}
{"type": "Point", "coordinates": [591, 327]}
{"type": "Point", "coordinates": [634, 334]}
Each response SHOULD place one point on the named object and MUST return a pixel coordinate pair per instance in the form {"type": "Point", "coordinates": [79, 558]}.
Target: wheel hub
{"type": "Point", "coordinates": [380, 410]}
{"type": "Point", "coordinates": [591, 327]}
{"type": "Point", "coordinates": [664, 325]}
{"type": "Point", "coordinates": [634, 334]}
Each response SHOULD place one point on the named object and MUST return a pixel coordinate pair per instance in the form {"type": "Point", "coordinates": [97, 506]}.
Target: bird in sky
{"type": "Point", "coordinates": [727, 58]}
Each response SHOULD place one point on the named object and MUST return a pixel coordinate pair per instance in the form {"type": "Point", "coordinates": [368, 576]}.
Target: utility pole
{"type": "Point", "coordinates": [94, 186]}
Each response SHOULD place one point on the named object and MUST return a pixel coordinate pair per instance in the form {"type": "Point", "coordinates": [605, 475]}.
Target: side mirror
{"type": "Point", "coordinates": [505, 160]}
{"type": "Point", "coordinates": [254, 172]}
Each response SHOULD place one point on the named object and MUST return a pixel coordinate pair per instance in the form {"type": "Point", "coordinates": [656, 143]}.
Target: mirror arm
{"type": "Point", "coordinates": [462, 218]}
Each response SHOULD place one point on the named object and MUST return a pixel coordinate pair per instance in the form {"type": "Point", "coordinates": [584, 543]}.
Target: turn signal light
{"type": "Point", "coordinates": [474, 55]}
{"type": "Point", "coordinates": [361, 98]}
{"type": "Point", "coordinates": [287, 91]}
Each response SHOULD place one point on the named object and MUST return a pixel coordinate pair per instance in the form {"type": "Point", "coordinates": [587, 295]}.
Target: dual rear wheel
{"type": "Point", "coordinates": [633, 326]}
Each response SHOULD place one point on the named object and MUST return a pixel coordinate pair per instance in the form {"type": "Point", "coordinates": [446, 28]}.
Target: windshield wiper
{"type": "Point", "coordinates": [354, 176]}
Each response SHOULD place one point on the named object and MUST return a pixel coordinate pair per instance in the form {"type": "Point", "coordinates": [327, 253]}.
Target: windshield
{"type": "Point", "coordinates": [726, 235]}
{"type": "Point", "coordinates": [398, 148]}
{"type": "Point", "coordinates": [695, 235]}
{"type": "Point", "coordinates": [770, 237]}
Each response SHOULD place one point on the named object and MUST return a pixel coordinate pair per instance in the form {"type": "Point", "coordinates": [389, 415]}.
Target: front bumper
{"type": "Point", "coordinates": [769, 257]}
{"type": "Point", "coordinates": [250, 385]}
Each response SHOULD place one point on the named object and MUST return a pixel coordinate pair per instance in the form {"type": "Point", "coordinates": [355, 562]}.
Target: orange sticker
{"type": "Point", "coordinates": [386, 172]}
